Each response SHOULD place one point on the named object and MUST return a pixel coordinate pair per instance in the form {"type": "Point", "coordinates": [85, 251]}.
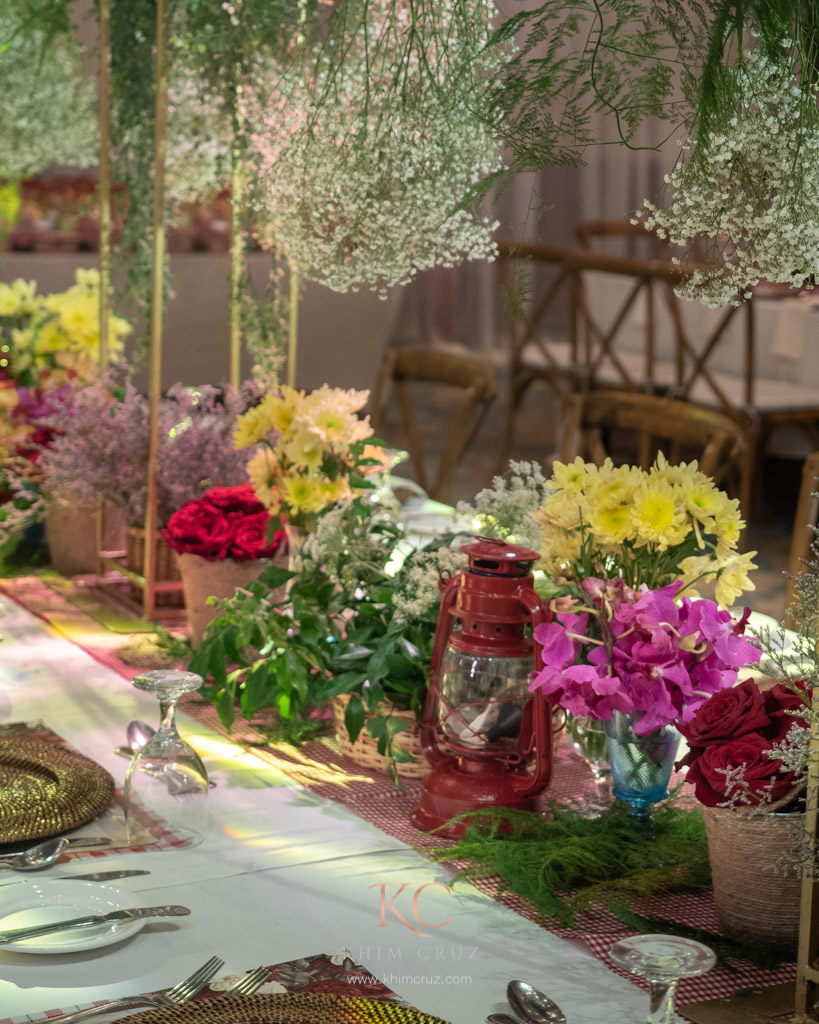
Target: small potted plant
{"type": "Point", "coordinates": [744, 747]}
{"type": "Point", "coordinates": [222, 541]}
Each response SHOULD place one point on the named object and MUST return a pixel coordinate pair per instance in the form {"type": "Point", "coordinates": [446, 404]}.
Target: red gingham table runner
{"type": "Point", "coordinates": [380, 803]}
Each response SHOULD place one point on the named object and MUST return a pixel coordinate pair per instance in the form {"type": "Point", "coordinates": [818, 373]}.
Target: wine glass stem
{"type": "Point", "coordinates": [661, 1002]}
{"type": "Point", "coordinates": [167, 715]}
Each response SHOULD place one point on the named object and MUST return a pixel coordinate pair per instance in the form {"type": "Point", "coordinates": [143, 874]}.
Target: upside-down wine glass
{"type": "Point", "coordinates": [166, 787]}
{"type": "Point", "coordinates": [662, 960]}
{"type": "Point", "coordinates": [587, 736]}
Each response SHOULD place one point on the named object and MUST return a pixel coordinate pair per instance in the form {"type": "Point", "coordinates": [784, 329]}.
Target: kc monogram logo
{"type": "Point", "coordinates": [390, 904]}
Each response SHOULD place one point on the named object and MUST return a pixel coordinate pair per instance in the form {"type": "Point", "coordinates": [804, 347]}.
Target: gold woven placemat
{"type": "Point", "coordinates": [46, 789]}
{"type": "Point", "coordinates": [286, 1008]}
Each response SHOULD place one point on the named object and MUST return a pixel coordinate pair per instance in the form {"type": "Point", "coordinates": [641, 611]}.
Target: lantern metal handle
{"type": "Point", "coordinates": [536, 728]}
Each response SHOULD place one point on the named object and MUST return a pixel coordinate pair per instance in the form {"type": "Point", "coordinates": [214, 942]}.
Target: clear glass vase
{"type": "Point", "coordinates": [587, 736]}
{"type": "Point", "coordinates": [641, 766]}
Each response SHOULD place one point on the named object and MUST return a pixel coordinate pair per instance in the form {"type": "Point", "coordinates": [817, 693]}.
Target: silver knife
{"type": "Point", "coordinates": [102, 876]}
{"type": "Point", "coordinates": [80, 841]}
{"type": "Point", "coordinates": [16, 934]}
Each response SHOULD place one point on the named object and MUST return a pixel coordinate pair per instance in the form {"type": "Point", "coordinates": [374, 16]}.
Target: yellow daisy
{"type": "Point", "coordinates": [571, 476]}
{"type": "Point", "coordinates": [304, 494]}
{"type": "Point", "coordinates": [734, 579]}
{"type": "Point", "coordinates": [264, 473]}
{"type": "Point", "coordinates": [252, 425]}
{"type": "Point", "coordinates": [302, 449]}
{"type": "Point", "coordinates": [656, 516]}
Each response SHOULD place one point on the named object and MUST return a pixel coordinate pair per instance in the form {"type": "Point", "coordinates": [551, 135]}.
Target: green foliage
{"type": "Point", "coordinates": [567, 864]}
{"type": "Point", "coordinates": [294, 653]}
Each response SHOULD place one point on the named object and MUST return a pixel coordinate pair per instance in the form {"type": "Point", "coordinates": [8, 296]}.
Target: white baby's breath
{"type": "Point", "coordinates": [753, 194]}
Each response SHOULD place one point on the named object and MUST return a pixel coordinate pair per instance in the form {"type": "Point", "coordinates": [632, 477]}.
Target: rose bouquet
{"type": "Point", "coordinates": [313, 450]}
{"type": "Point", "coordinates": [740, 742]}
{"type": "Point", "coordinates": [226, 522]}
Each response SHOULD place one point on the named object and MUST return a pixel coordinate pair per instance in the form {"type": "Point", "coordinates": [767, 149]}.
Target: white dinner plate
{"type": "Point", "coordinates": [29, 902]}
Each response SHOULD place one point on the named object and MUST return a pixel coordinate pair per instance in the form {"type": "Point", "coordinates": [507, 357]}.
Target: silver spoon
{"type": "Point", "coordinates": [502, 1018]}
{"type": "Point", "coordinates": [533, 1006]}
{"type": "Point", "coordinates": [36, 857]}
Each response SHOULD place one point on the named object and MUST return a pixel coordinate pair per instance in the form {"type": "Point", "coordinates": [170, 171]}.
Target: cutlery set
{"type": "Point", "coordinates": [181, 993]}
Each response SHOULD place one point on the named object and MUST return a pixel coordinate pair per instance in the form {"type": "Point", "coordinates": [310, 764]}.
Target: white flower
{"type": "Point", "coordinates": [753, 191]}
{"type": "Point", "coordinates": [48, 105]}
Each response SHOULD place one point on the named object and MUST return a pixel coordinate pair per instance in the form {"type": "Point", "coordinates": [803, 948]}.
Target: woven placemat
{"type": "Point", "coordinates": [286, 1008]}
{"type": "Point", "coordinates": [46, 789]}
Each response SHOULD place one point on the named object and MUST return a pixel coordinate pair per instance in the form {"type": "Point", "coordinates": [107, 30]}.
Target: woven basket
{"type": "Point", "coordinates": [202, 579]}
{"type": "Point", "coordinates": [166, 568]}
{"type": "Point", "coordinates": [757, 874]}
{"type": "Point", "coordinates": [365, 749]}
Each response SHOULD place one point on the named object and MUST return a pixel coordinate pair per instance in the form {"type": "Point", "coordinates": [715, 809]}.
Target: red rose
{"type": "Point", "coordinates": [250, 540]}
{"type": "Point", "coordinates": [762, 776]}
{"type": "Point", "coordinates": [728, 714]}
{"type": "Point", "coordinates": [240, 498]}
{"type": "Point", "coordinates": [779, 701]}
{"type": "Point", "coordinates": [200, 529]}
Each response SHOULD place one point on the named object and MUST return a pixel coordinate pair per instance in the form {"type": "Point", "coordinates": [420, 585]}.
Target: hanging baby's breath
{"type": "Point", "coordinates": [367, 148]}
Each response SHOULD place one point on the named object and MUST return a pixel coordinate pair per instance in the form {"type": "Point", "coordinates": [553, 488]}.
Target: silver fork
{"type": "Point", "coordinates": [180, 993]}
{"type": "Point", "coordinates": [249, 984]}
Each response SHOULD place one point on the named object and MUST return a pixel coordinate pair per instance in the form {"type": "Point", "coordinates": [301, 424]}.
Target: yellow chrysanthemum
{"type": "Point", "coordinates": [728, 526]}
{"type": "Point", "coordinates": [304, 494]}
{"type": "Point", "coordinates": [678, 474]}
{"type": "Point", "coordinates": [346, 401]}
{"type": "Point", "coordinates": [302, 449]}
{"type": "Point", "coordinates": [704, 501]}
{"type": "Point", "coordinates": [264, 473]}
{"type": "Point", "coordinates": [560, 552]}
{"type": "Point", "coordinates": [571, 476]}
{"type": "Point", "coordinates": [656, 516]}
{"type": "Point", "coordinates": [611, 525]}
{"type": "Point", "coordinates": [613, 485]}
{"type": "Point", "coordinates": [19, 298]}
{"type": "Point", "coordinates": [252, 425]}
{"type": "Point", "coordinates": [734, 579]}
{"type": "Point", "coordinates": [284, 408]}
{"type": "Point", "coordinates": [335, 490]}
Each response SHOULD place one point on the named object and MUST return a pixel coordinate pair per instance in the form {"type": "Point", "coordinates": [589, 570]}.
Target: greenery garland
{"type": "Point", "coordinates": [570, 866]}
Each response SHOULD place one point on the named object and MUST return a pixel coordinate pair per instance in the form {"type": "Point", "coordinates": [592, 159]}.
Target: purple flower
{"type": "Point", "coordinates": [640, 651]}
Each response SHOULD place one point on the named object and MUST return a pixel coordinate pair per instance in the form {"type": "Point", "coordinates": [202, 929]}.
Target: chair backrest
{"type": "Point", "coordinates": [400, 367]}
{"type": "Point", "coordinates": [718, 438]}
{"type": "Point", "coordinates": [807, 515]}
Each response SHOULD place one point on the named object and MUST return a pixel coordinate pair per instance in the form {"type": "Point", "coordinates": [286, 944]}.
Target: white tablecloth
{"type": "Point", "coordinates": [280, 874]}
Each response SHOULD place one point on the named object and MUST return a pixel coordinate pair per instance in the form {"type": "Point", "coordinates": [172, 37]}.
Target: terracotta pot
{"type": "Point", "coordinates": [202, 579]}
{"type": "Point", "coordinates": [756, 868]}
{"type": "Point", "coordinates": [71, 530]}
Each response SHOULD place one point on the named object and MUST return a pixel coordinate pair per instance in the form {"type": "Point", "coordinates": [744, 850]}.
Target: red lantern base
{"type": "Point", "coordinates": [458, 785]}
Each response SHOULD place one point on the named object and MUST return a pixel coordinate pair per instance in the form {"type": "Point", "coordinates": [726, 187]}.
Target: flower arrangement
{"type": "Point", "coordinates": [226, 522]}
{"type": "Point", "coordinates": [48, 102]}
{"type": "Point", "coordinates": [648, 652]}
{"type": "Point", "coordinates": [312, 450]}
{"type": "Point", "coordinates": [367, 144]}
{"type": "Point", "coordinates": [735, 741]}
{"type": "Point", "coordinates": [51, 340]}
{"type": "Point", "coordinates": [670, 523]}
{"type": "Point", "coordinates": [757, 214]}
{"type": "Point", "coordinates": [101, 446]}
{"type": "Point", "coordinates": [359, 619]}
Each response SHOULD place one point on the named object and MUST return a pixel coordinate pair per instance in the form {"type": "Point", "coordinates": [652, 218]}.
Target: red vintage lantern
{"type": "Point", "coordinates": [488, 739]}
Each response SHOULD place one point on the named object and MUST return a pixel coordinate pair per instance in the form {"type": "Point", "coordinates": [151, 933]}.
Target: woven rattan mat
{"type": "Point", "coordinates": [287, 1008]}
{"type": "Point", "coordinates": [47, 789]}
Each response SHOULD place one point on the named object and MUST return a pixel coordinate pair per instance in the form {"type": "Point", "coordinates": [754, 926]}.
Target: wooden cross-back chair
{"type": "Point", "coordinates": [717, 439]}
{"type": "Point", "coordinates": [475, 377]}
{"type": "Point", "coordinates": [807, 516]}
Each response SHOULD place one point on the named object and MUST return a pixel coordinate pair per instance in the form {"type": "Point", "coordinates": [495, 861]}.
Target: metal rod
{"type": "Point", "coordinates": [238, 261]}
{"type": "Point", "coordinates": [293, 328]}
{"type": "Point", "coordinates": [157, 309]}
{"type": "Point", "coordinates": [104, 198]}
{"type": "Point", "coordinates": [104, 184]}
